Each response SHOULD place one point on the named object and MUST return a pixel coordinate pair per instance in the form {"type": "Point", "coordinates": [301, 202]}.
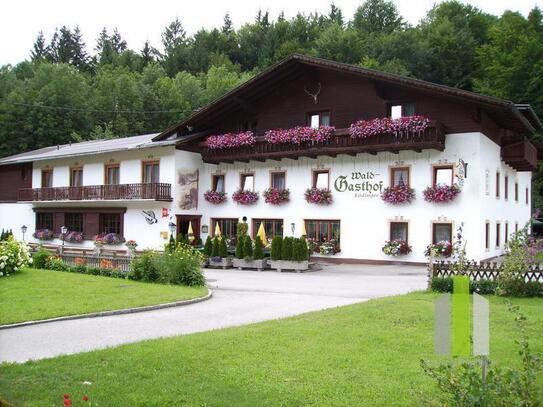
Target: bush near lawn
{"type": "Point", "coordinates": [14, 256]}
{"type": "Point", "coordinates": [484, 287]}
{"type": "Point", "coordinates": [365, 354]}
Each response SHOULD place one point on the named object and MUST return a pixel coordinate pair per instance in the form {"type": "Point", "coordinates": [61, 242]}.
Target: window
{"type": "Point", "coordinates": [506, 187]}
{"type": "Point", "coordinates": [442, 232]}
{"type": "Point", "coordinates": [516, 191]}
{"type": "Point", "coordinates": [73, 222]}
{"type": "Point", "coordinates": [321, 179]}
{"type": "Point", "coordinates": [47, 178]}
{"type": "Point", "coordinates": [527, 196]}
{"type": "Point", "coordinates": [498, 233]}
{"type": "Point", "coordinates": [323, 230]}
{"type": "Point", "coordinates": [317, 119]}
{"type": "Point", "coordinates": [44, 221]}
{"type": "Point", "coordinates": [112, 173]}
{"type": "Point", "coordinates": [248, 126]}
{"type": "Point", "coordinates": [487, 235]}
{"type": "Point", "coordinates": [151, 172]}
{"type": "Point", "coordinates": [497, 185]}
{"type": "Point", "coordinates": [273, 227]}
{"type": "Point", "coordinates": [399, 176]}
{"type": "Point", "coordinates": [247, 182]}
{"type": "Point", "coordinates": [397, 110]}
{"type": "Point", "coordinates": [398, 231]}
{"type": "Point", "coordinates": [278, 180]}
{"type": "Point", "coordinates": [76, 176]}
{"type": "Point", "coordinates": [217, 183]}
{"type": "Point", "coordinates": [443, 175]}
{"type": "Point", "coordinates": [228, 226]}
{"type": "Point", "coordinates": [516, 227]}
{"type": "Point", "coordinates": [506, 235]}
{"type": "Point", "coordinates": [110, 223]}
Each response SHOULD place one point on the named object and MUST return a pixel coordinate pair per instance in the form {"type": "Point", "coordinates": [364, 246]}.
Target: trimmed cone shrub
{"type": "Point", "coordinates": [286, 249]}
{"type": "Point", "coordinates": [247, 246]}
{"type": "Point", "coordinates": [258, 254]}
{"type": "Point", "coordinates": [276, 246]}
{"type": "Point", "coordinates": [223, 250]}
{"type": "Point", "coordinates": [239, 247]}
{"type": "Point", "coordinates": [208, 247]}
{"type": "Point", "coordinates": [242, 229]}
{"type": "Point", "coordinates": [215, 249]}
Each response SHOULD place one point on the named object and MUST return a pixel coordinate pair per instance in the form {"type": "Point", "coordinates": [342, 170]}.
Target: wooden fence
{"type": "Point", "coordinates": [485, 271]}
{"type": "Point", "coordinates": [99, 261]}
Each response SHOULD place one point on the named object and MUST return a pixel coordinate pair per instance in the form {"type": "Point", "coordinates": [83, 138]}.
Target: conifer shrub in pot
{"type": "Point", "coordinates": [290, 254]}
{"type": "Point", "coordinates": [219, 253]}
{"type": "Point", "coordinates": [249, 257]}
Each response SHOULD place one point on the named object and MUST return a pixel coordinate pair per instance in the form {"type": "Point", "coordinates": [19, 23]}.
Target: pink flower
{"type": "Point", "coordinates": [386, 125]}
{"type": "Point", "coordinates": [441, 193]}
{"type": "Point", "coordinates": [215, 197]}
{"type": "Point", "coordinates": [276, 196]}
{"type": "Point", "coordinates": [319, 196]}
{"type": "Point", "coordinates": [230, 140]}
{"type": "Point", "coordinates": [399, 194]}
{"type": "Point", "coordinates": [299, 135]}
{"type": "Point", "coordinates": [245, 197]}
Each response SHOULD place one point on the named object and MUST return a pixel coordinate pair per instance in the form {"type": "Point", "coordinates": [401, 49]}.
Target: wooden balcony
{"type": "Point", "coordinates": [151, 191]}
{"type": "Point", "coordinates": [340, 143]}
{"type": "Point", "coordinates": [521, 155]}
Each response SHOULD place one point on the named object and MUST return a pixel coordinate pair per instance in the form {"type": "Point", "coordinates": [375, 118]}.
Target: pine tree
{"type": "Point", "coordinates": [80, 58]}
{"type": "Point", "coordinates": [239, 247]}
{"type": "Point", "coordinates": [258, 254]}
{"type": "Point", "coordinates": [147, 54]}
{"type": "Point", "coordinates": [227, 27]}
{"type": "Point", "coordinates": [65, 46]}
{"type": "Point", "coordinates": [174, 35]}
{"type": "Point", "coordinates": [287, 248]}
{"type": "Point", "coordinates": [277, 242]}
{"type": "Point", "coordinates": [215, 249]}
{"type": "Point", "coordinates": [248, 247]}
{"type": "Point", "coordinates": [39, 49]}
{"type": "Point", "coordinates": [208, 247]}
{"type": "Point", "coordinates": [223, 249]}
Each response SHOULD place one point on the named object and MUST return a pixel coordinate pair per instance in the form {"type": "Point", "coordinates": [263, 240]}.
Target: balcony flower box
{"type": "Point", "coordinates": [442, 248]}
{"type": "Point", "coordinates": [385, 125]}
{"type": "Point", "coordinates": [259, 264]}
{"type": "Point", "coordinates": [108, 238]}
{"type": "Point", "coordinates": [396, 248]}
{"type": "Point", "coordinates": [276, 196]}
{"type": "Point", "coordinates": [399, 194]}
{"type": "Point", "coordinates": [299, 135]}
{"type": "Point", "coordinates": [230, 140]}
{"type": "Point", "coordinates": [298, 266]}
{"type": "Point", "coordinates": [441, 193]}
{"type": "Point", "coordinates": [72, 237]}
{"type": "Point", "coordinates": [223, 262]}
{"type": "Point", "coordinates": [319, 196]}
{"type": "Point", "coordinates": [214, 197]}
{"type": "Point", "coordinates": [43, 234]}
{"type": "Point", "coordinates": [245, 197]}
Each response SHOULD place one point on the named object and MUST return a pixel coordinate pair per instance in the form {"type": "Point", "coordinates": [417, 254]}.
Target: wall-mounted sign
{"type": "Point", "coordinates": [165, 212]}
{"type": "Point", "coordinates": [461, 172]}
{"type": "Point", "coordinates": [364, 184]}
{"type": "Point", "coordinates": [164, 235]}
{"type": "Point", "coordinates": [188, 189]}
{"type": "Point", "coordinates": [150, 217]}
{"type": "Point", "coordinates": [205, 228]}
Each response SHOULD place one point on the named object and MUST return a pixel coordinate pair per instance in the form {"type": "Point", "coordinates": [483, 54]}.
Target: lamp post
{"type": "Point", "coordinates": [24, 229]}
{"type": "Point", "coordinates": [63, 230]}
{"type": "Point", "coordinates": [172, 228]}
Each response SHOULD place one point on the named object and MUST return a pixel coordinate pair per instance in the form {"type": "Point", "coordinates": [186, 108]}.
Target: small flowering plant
{"type": "Point", "coordinates": [14, 255]}
{"type": "Point", "coordinates": [443, 248]}
{"type": "Point", "coordinates": [72, 237]}
{"type": "Point", "coordinates": [276, 196]}
{"type": "Point", "coordinates": [43, 234]}
{"type": "Point", "coordinates": [398, 194]}
{"type": "Point", "coordinates": [299, 135]}
{"type": "Point", "coordinates": [108, 238]}
{"type": "Point", "coordinates": [132, 244]}
{"type": "Point", "coordinates": [319, 196]}
{"type": "Point", "coordinates": [230, 140]}
{"type": "Point", "coordinates": [386, 125]}
{"type": "Point", "coordinates": [328, 247]}
{"type": "Point", "coordinates": [215, 197]}
{"type": "Point", "coordinates": [245, 197]}
{"type": "Point", "coordinates": [441, 193]}
{"type": "Point", "coordinates": [396, 247]}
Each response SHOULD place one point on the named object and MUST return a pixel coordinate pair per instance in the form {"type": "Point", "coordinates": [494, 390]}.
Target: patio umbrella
{"type": "Point", "coordinates": [303, 231]}
{"type": "Point", "coordinates": [217, 230]}
{"type": "Point", "coordinates": [190, 232]}
{"type": "Point", "coordinates": [262, 234]}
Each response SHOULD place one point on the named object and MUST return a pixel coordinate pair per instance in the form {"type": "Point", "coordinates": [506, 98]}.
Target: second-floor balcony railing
{"type": "Point", "coordinates": [151, 191]}
{"type": "Point", "coordinates": [341, 142]}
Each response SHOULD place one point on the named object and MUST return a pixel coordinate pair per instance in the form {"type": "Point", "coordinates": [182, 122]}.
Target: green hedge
{"type": "Point", "coordinates": [489, 287]}
{"type": "Point", "coordinates": [289, 248]}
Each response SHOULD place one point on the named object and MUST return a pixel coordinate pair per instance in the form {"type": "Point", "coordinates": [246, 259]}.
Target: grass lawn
{"type": "Point", "coordinates": [39, 294]}
{"type": "Point", "coordinates": [363, 354]}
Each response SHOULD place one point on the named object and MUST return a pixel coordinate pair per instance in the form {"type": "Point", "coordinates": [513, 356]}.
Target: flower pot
{"type": "Point", "coordinates": [224, 263]}
{"type": "Point", "coordinates": [259, 264]}
{"type": "Point", "coordinates": [298, 266]}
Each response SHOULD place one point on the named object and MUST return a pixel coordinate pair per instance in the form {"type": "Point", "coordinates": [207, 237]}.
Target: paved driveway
{"type": "Point", "coordinates": [240, 297]}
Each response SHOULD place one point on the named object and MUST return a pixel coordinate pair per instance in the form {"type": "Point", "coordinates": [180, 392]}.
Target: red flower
{"type": "Point", "coordinates": [66, 396]}
{"type": "Point", "coordinates": [85, 398]}
{"type": "Point", "coordinates": [67, 402]}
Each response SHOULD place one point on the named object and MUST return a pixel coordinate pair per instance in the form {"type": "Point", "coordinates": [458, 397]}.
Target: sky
{"type": "Point", "coordinates": [138, 21]}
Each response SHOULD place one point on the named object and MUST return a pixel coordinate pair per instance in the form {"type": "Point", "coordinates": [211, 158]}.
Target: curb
{"type": "Point", "coordinates": [112, 312]}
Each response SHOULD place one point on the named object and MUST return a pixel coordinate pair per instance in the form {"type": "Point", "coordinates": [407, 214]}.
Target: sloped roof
{"type": "Point", "coordinates": [508, 113]}
{"type": "Point", "coordinates": [86, 148]}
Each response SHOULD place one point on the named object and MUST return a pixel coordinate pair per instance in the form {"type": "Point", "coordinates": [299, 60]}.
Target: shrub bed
{"type": "Point", "coordinates": [488, 287]}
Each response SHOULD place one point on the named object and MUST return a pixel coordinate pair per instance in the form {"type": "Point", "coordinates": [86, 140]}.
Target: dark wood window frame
{"type": "Point", "coordinates": [47, 172]}
{"type": "Point", "coordinates": [110, 223]}
{"type": "Point", "coordinates": [435, 224]}
{"type": "Point", "coordinates": [436, 168]}
{"type": "Point", "coordinates": [214, 178]}
{"type": "Point", "coordinates": [506, 233]}
{"type": "Point", "coordinates": [506, 187]}
{"type": "Point", "coordinates": [487, 235]}
{"type": "Point", "coordinates": [516, 191]}
{"type": "Point", "coordinates": [242, 177]}
{"type": "Point", "coordinates": [329, 229]}
{"type": "Point", "coordinates": [314, 175]}
{"type": "Point", "coordinates": [234, 221]}
{"type": "Point", "coordinates": [527, 196]}
{"type": "Point", "coordinates": [498, 233]}
{"type": "Point", "coordinates": [255, 222]}
{"type": "Point", "coordinates": [398, 222]}
{"type": "Point", "coordinates": [45, 221]}
{"type": "Point", "coordinates": [402, 103]}
{"type": "Point", "coordinates": [74, 221]}
{"type": "Point", "coordinates": [272, 175]}
{"type": "Point", "coordinates": [73, 169]}
{"type": "Point", "coordinates": [498, 184]}
{"type": "Point", "coordinates": [106, 173]}
{"type": "Point", "coordinates": [309, 115]}
{"type": "Point", "coordinates": [401, 168]}
{"type": "Point", "coordinates": [144, 165]}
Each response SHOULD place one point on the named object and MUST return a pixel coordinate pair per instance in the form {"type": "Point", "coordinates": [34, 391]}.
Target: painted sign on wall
{"type": "Point", "coordinates": [188, 189]}
{"type": "Point", "coordinates": [366, 184]}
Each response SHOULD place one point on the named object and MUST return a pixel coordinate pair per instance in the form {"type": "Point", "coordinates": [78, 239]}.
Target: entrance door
{"type": "Point", "coordinates": [183, 224]}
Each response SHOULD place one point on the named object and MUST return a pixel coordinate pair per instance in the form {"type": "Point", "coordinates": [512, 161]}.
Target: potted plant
{"type": "Point", "coordinates": [248, 257]}
{"type": "Point", "coordinates": [43, 234]}
{"type": "Point", "coordinates": [328, 247]}
{"type": "Point", "coordinates": [219, 253]}
{"type": "Point", "coordinates": [276, 196]}
{"type": "Point", "coordinates": [396, 247]}
{"type": "Point", "coordinates": [131, 246]}
{"type": "Point", "coordinates": [289, 254]}
{"type": "Point", "coordinates": [73, 237]}
{"type": "Point", "coordinates": [442, 248]}
{"type": "Point", "coordinates": [214, 197]}
{"type": "Point", "coordinates": [319, 196]}
{"type": "Point", "coordinates": [441, 193]}
{"type": "Point", "coordinates": [398, 194]}
{"type": "Point", "coordinates": [245, 197]}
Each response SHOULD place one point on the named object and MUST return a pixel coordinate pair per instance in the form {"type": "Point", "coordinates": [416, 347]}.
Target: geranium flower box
{"type": "Point", "coordinates": [214, 197]}
{"type": "Point", "coordinates": [230, 140]}
{"type": "Point", "coordinates": [297, 266]}
{"type": "Point", "coordinates": [399, 194]}
{"type": "Point", "coordinates": [43, 234]}
{"type": "Point", "coordinates": [276, 196]}
{"type": "Point", "coordinates": [396, 248]}
{"type": "Point", "coordinates": [245, 197]}
{"type": "Point", "coordinates": [442, 248]}
{"type": "Point", "coordinates": [319, 196]}
{"type": "Point", "coordinates": [441, 193]}
{"type": "Point", "coordinates": [299, 135]}
{"type": "Point", "coordinates": [385, 125]}
{"type": "Point", "coordinates": [258, 264]}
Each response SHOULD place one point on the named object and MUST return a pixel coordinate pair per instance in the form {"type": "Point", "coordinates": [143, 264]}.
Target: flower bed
{"type": "Point", "coordinates": [396, 248]}
{"type": "Point", "coordinates": [215, 197]}
{"type": "Point", "coordinates": [441, 193]}
{"type": "Point", "coordinates": [299, 134]}
{"type": "Point", "coordinates": [73, 237]}
{"type": "Point", "coordinates": [386, 125]}
{"type": "Point", "coordinates": [276, 196]}
{"type": "Point", "coordinates": [443, 248]}
{"type": "Point", "coordinates": [108, 238]}
{"type": "Point", "coordinates": [319, 196]}
{"type": "Point", "coordinates": [398, 195]}
{"type": "Point", "coordinates": [43, 234]}
{"type": "Point", "coordinates": [245, 197]}
{"type": "Point", "coordinates": [230, 140]}
{"type": "Point", "coordinates": [328, 247]}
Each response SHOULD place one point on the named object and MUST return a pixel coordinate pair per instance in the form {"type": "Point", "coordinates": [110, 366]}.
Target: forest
{"type": "Point", "coordinates": [68, 90]}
